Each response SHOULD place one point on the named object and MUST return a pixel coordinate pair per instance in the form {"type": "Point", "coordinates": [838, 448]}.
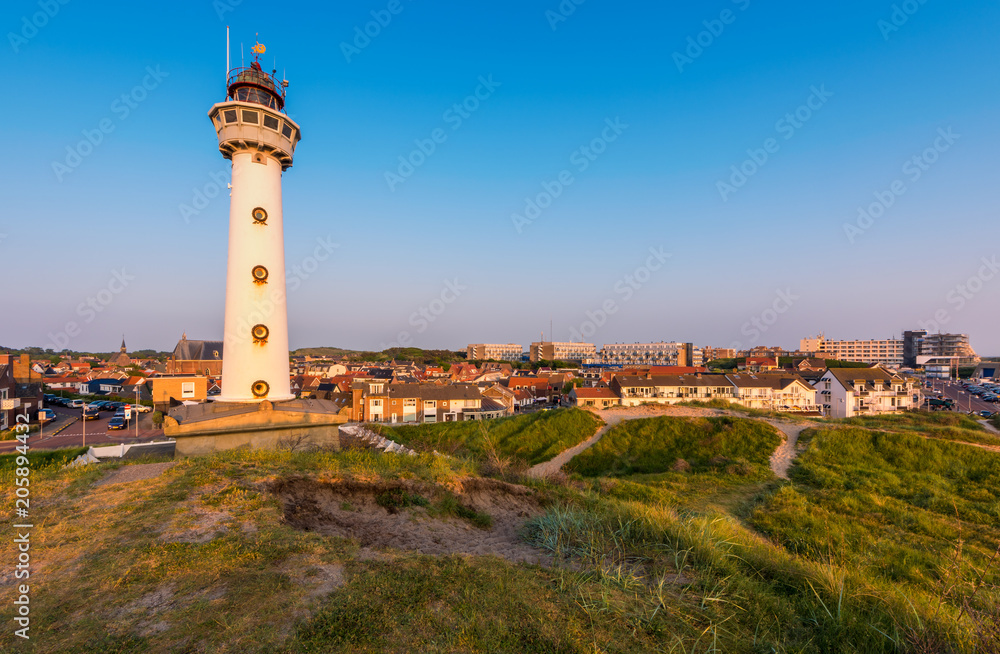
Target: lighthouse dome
{"type": "Point", "coordinates": [252, 84]}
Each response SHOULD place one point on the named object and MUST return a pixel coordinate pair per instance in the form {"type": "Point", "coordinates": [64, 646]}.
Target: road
{"type": "Point", "coordinates": [961, 396]}
{"type": "Point", "coordinates": [97, 432]}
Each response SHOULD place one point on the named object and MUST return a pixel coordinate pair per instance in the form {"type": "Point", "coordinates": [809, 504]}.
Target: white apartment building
{"type": "Point", "coordinates": [849, 392]}
{"type": "Point", "coordinates": [493, 351]}
{"type": "Point", "coordinates": [887, 352]}
{"type": "Point", "coordinates": [557, 351]}
{"type": "Point", "coordinates": [651, 354]}
{"type": "Point", "coordinates": [771, 392]}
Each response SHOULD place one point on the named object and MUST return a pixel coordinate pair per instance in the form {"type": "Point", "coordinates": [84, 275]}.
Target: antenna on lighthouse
{"type": "Point", "coordinates": [227, 55]}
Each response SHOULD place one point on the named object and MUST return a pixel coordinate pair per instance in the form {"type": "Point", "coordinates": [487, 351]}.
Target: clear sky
{"type": "Point", "coordinates": [626, 123]}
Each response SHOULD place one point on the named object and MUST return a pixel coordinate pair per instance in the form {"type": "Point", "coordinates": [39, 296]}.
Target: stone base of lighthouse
{"type": "Point", "coordinates": [216, 426]}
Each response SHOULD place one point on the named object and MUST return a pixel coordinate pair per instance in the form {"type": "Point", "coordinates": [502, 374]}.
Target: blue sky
{"type": "Point", "coordinates": [766, 262]}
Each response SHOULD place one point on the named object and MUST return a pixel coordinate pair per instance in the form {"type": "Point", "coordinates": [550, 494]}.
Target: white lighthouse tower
{"type": "Point", "coordinates": [256, 135]}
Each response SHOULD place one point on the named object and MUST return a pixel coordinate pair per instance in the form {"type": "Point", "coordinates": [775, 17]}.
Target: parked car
{"type": "Point", "coordinates": [91, 413]}
{"type": "Point", "coordinates": [116, 423]}
{"type": "Point", "coordinates": [142, 408]}
{"type": "Point", "coordinates": [46, 416]}
{"type": "Point", "coordinates": [75, 404]}
{"type": "Point", "coordinates": [986, 414]}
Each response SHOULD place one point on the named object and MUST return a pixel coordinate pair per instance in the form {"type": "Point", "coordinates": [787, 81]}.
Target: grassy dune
{"type": "Point", "coordinates": [531, 438]}
{"type": "Point", "coordinates": [880, 542]}
{"type": "Point", "coordinates": [943, 425]}
{"type": "Point", "coordinates": [654, 445]}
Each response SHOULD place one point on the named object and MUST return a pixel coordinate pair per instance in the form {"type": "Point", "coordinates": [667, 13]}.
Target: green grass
{"type": "Point", "coordinates": [874, 545]}
{"type": "Point", "coordinates": [734, 446]}
{"type": "Point", "coordinates": [915, 419]}
{"type": "Point", "coordinates": [531, 438]}
{"type": "Point", "coordinates": [899, 511]}
{"type": "Point", "coordinates": [943, 425]}
{"type": "Point", "coordinates": [40, 459]}
{"type": "Point", "coordinates": [454, 604]}
{"type": "Point", "coordinates": [739, 408]}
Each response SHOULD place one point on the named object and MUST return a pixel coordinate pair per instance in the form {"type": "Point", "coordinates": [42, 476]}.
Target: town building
{"type": "Point", "coordinates": [599, 398]}
{"type": "Point", "coordinates": [170, 391]}
{"type": "Point", "coordinates": [912, 340]}
{"type": "Point", "coordinates": [651, 354]}
{"type": "Point", "coordinates": [774, 392]}
{"type": "Point", "coordinates": [713, 353]}
{"type": "Point", "coordinates": [374, 401]}
{"type": "Point", "coordinates": [887, 352]}
{"type": "Point", "coordinates": [17, 398]}
{"type": "Point", "coordinates": [195, 358]}
{"type": "Point", "coordinates": [121, 358]}
{"type": "Point", "coordinates": [556, 351]}
{"type": "Point", "coordinates": [987, 370]}
{"type": "Point", "coordinates": [849, 392]}
{"type": "Point", "coordinates": [20, 367]}
{"type": "Point", "coordinates": [671, 389]}
{"type": "Point", "coordinates": [494, 351]}
{"type": "Point", "coordinates": [954, 346]}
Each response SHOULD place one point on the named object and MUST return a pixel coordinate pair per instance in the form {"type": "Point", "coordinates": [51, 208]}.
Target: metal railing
{"type": "Point", "coordinates": [256, 77]}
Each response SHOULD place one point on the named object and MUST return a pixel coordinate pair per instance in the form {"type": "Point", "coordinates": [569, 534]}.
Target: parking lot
{"type": "Point", "coordinates": [964, 400]}
{"type": "Point", "coordinates": [67, 430]}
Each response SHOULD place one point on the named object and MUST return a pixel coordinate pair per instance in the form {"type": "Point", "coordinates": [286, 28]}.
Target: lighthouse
{"type": "Point", "coordinates": [256, 135]}
{"type": "Point", "coordinates": [259, 138]}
